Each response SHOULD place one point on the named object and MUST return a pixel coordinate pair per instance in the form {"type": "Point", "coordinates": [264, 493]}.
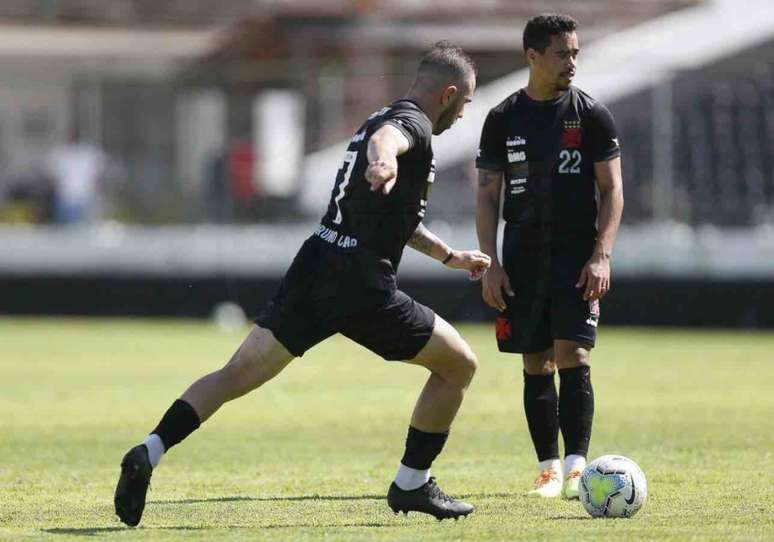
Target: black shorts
{"type": "Point", "coordinates": [546, 305]}
{"type": "Point", "coordinates": [326, 292]}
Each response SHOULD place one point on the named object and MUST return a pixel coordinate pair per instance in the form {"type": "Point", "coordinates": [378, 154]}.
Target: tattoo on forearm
{"type": "Point", "coordinates": [422, 240]}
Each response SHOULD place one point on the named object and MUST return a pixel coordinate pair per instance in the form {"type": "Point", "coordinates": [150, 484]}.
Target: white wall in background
{"type": "Point", "coordinates": [278, 139]}
{"type": "Point", "coordinates": [201, 134]}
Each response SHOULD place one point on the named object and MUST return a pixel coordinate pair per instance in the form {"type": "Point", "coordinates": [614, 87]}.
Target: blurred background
{"type": "Point", "coordinates": [162, 157]}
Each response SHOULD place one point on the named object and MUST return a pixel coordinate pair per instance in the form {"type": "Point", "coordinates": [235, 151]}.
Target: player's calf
{"type": "Point", "coordinates": [259, 358]}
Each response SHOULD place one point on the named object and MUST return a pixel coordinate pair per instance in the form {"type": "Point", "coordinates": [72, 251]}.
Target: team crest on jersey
{"type": "Point", "coordinates": [571, 136]}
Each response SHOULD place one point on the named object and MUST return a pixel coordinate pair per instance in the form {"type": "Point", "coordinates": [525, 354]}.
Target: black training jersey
{"type": "Point", "coordinates": [358, 219]}
{"type": "Point", "coordinates": [546, 151]}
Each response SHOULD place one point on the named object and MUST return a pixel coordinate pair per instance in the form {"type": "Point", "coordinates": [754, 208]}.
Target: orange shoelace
{"type": "Point", "coordinates": [544, 477]}
{"type": "Point", "coordinates": [574, 474]}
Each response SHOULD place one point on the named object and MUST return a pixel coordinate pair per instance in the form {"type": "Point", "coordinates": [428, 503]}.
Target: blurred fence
{"type": "Point", "coordinates": [179, 198]}
{"type": "Point", "coordinates": [700, 147]}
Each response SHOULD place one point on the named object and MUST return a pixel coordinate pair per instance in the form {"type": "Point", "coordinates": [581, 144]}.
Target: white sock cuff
{"type": "Point", "coordinates": [409, 479]}
{"type": "Point", "coordinates": [550, 464]}
{"type": "Point", "coordinates": [155, 448]}
{"type": "Point", "coordinates": [574, 462]}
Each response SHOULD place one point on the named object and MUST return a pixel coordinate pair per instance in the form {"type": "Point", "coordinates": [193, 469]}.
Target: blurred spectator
{"type": "Point", "coordinates": [76, 169]}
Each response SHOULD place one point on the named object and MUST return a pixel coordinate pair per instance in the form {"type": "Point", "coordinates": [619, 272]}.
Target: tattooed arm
{"type": "Point", "coordinates": [488, 211]}
{"type": "Point", "coordinates": [428, 243]}
{"type": "Point", "coordinates": [496, 281]}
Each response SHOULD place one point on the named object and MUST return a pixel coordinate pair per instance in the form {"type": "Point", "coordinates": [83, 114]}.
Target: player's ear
{"type": "Point", "coordinates": [531, 55]}
{"type": "Point", "coordinates": [449, 94]}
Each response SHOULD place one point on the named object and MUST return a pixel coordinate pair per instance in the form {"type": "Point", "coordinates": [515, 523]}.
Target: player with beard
{"type": "Point", "coordinates": [343, 281]}
{"type": "Point", "coordinates": [550, 148]}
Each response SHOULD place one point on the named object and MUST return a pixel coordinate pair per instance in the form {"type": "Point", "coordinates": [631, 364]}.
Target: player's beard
{"type": "Point", "coordinates": [446, 120]}
{"type": "Point", "coordinates": [443, 124]}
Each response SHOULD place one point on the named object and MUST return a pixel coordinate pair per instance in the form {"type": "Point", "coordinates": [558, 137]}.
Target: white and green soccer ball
{"type": "Point", "coordinates": [613, 486]}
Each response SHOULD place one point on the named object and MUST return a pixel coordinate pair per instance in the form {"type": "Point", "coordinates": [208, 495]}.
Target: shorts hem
{"type": "Point", "coordinates": [586, 343]}
{"type": "Point", "coordinates": [295, 352]}
{"type": "Point", "coordinates": [420, 347]}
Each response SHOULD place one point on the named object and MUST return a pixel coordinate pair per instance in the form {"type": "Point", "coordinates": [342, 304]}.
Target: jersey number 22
{"type": "Point", "coordinates": [571, 161]}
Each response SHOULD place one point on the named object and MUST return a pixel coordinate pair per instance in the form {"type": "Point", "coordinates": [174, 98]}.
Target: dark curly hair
{"type": "Point", "coordinates": [539, 29]}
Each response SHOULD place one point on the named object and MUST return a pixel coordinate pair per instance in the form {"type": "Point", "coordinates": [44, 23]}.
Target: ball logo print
{"type": "Point", "coordinates": [600, 486]}
{"type": "Point", "coordinates": [613, 486]}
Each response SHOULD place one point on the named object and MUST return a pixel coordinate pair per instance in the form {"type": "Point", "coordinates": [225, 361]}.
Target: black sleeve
{"type": "Point", "coordinates": [603, 140]}
{"type": "Point", "coordinates": [411, 124]}
{"type": "Point", "coordinates": [491, 150]}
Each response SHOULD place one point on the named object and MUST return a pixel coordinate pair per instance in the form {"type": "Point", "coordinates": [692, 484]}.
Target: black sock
{"type": "Point", "coordinates": [179, 421]}
{"type": "Point", "coordinates": [576, 409]}
{"type": "Point", "coordinates": [422, 448]}
{"type": "Point", "coordinates": [541, 405]}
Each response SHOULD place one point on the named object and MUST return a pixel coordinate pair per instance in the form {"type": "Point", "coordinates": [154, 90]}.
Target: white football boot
{"type": "Point", "coordinates": [573, 468]}
{"type": "Point", "coordinates": [571, 483]}
{"type": "Point", "coordinates": [548, 485]}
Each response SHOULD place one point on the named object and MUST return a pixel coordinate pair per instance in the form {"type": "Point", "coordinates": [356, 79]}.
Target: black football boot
{"type": "Point", "coordinates": [428, 499]}
{"type": "Point", "coordinates": [133, 485]}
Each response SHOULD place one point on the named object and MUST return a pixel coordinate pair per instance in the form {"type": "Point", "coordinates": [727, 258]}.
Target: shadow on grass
{"type": "Point", "coordinates": [86, 531]}
{"type": "Point", "coordinates": [276, 499]}
{"type": "Point", "coordinates": [99, 531]}
{"type": "Point", "coordinates": [317, 498]}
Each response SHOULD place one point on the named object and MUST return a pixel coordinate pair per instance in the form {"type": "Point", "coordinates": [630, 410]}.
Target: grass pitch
{"type": "Point", "coordinates": [311, 454]}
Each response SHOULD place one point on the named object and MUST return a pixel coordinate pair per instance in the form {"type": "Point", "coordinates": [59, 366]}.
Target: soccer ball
{"type": "Point", "coordinates": [613, 486]}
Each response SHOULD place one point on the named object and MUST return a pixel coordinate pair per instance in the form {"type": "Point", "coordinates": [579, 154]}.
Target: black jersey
{"type": "Point", "coordinates": [547, 152]}
{"type": "Point", "coordinates": [361, 220]}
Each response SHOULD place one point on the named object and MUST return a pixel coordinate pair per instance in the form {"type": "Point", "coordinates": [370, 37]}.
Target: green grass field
{"type": "Point", "coordinates": [310, 455]}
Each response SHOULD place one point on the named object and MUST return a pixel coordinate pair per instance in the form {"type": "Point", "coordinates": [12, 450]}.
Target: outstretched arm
{"type": "Point", "coordinates": [428, 243]}
{"type": "Point", "coordinates": [384, 147]}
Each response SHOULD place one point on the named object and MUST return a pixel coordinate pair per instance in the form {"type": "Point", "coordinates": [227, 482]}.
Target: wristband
{"type": "Point", "coordinates": [448, 258]}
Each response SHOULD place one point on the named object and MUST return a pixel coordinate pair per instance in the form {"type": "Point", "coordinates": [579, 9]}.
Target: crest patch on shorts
{"type": "Point", "coordinates": [503, 329]}
{"type": "Point", "coordinates": [593, 319]}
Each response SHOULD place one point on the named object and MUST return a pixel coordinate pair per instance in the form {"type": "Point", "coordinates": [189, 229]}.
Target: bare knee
{"type": "Point", "coordinates": [571, 354]}
{"type": "Point", "coordinates": [448, 356]}
{"type": "Point", "coordinates": [540, 363]}
{"type": "Point", "coordinates": [467, 365]}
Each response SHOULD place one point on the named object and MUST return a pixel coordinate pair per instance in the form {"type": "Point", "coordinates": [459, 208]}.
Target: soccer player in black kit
{"type": "Point", "coordinates": [550, 148]}
{"type": "Point", "coordinates": [343, 281]}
